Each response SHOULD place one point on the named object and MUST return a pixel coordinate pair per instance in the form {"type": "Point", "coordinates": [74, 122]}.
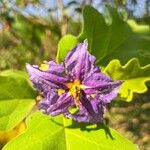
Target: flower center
{"type": "Point", "coordinates": [75, 90]}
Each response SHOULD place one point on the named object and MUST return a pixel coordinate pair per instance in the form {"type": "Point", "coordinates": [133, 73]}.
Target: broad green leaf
{"type": "Point", "coordinates": [119, 39]}
{"type": "Point", "coordinates": [16, 98]}
{"type": "Point", "coordinates": [65, 44]}
{"type": "Point", "coordinates": [134, 76]}
{"type": "Point", "coordinates": [103, 38]}
{"type": "Point", "coordinates": [47, 133]}
{"type": "Point", "coordinates": [136, 46]}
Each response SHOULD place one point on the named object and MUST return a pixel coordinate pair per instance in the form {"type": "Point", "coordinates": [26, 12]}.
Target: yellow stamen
{"type": "Point", "coordinates": [74, 90]}
{"type": "Point", "coordinates": [39, 98]}
{"type": "Point", "coordinates": [44, 67]}
{"type": "Point", "coordinates": [60, 91]}
{"type": "Point", "coordinates": [93, 95]}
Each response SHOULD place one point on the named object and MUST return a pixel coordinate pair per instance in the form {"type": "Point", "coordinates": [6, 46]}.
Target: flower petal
{"type": "Point", "coordinates": [102, 86]}
{"type": "Point", "coordinates": [49, 100]}
{"type": "Point", "coordinates": [45, 80]}
{"type": "Point", "coordinates": [61, 106]}
{"type": "Point", "coordinates": [90, 111]}
{"type": "Point", "coordinates": [79, 61]}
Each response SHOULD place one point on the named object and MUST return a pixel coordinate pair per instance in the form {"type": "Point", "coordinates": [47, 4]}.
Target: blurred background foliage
{"type": "Point", "coordinates": [30, 31]}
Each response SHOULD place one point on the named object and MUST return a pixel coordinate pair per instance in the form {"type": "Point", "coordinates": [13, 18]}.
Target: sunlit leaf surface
{"type": "Point", "coordinates": [16, 98]}
{"type": "Point", "coordinates": [117, 39]}
{"type": "Point", "coordinates": [134, 76]}
{"type": "Point", "coordinates": [65, 44]}
{"type": "Point", "coordinates": [46, 133]}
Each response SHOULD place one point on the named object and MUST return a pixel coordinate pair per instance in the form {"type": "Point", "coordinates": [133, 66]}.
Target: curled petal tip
{"type": "Point", "coordinates": [85, 43]}
{"type": "Point", "coordinates": [28, 66]}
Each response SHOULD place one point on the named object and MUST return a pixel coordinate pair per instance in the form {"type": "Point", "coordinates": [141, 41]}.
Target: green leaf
{"type": "Point", "coordinates": [16, 98]}
{"type": "Point", "coordinates": [47, 133]}
{"type": "Point", "coordinates": [103, 38]}
{"type": "Point", "coordinates": [134, 76]}
{"type": "Point", "coordinates": [119, 39]}
{"type": "Point", "coordinates": [65, 44]}
{"type": "Point", "coordinates": [136, 46]}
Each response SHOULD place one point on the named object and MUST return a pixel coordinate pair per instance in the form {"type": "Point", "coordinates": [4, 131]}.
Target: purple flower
{"type": "Point", "coordinates": [76, 88]}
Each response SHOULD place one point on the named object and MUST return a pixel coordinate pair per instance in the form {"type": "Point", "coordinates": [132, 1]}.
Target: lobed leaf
{"type": "Point", "coordinates": [103, 38]}
{"type": "Point", "coordinates": [16, 98]}
{"type": "Point", "coordinates": [134, 76]}
{"type": "Point", "coordinates": [44, 132]}
{"type": "Point", "coordinates": [119, 39]}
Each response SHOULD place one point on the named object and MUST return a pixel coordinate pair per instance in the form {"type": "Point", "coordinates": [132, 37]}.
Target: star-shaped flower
{"type": "Point", "coordinates": [76, 87]}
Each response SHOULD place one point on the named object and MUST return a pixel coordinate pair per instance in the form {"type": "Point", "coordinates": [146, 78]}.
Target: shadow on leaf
{"type": "Point", "coordinates": [87, 127]}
